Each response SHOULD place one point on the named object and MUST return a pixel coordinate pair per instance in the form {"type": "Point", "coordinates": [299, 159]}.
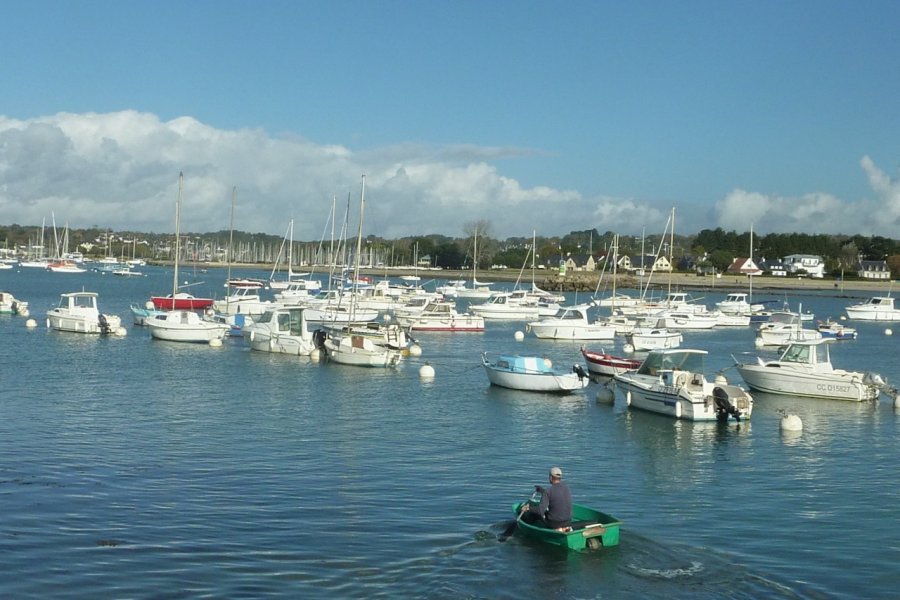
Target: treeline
{"type": "Point", "coordinates": [713, 247]}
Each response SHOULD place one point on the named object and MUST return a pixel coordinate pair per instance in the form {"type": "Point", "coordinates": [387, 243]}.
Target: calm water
{"type": "Point", "coordinates": [136, 468]}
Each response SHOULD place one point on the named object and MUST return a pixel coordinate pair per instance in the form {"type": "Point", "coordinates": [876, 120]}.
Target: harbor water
{"type": "Point", "coordinates": [134, 468]}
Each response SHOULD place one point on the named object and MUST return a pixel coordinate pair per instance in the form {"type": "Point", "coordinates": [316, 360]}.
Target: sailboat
{"type": "Point", "coordinates": [294, 282]}
{"type": "Point", "coordinates": [241, 297]}
{"type": "Point", "coordinates": [478, 290]}
{"type": "Point", "coordinates": [179, 300]}
{"type": "Point", "coordinates": [353, 348]}
{"type": "Point", "coordinates": [182, 324]}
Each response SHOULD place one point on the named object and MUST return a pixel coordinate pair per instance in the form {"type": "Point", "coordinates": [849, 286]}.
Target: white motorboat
{"type": "Point", "coordinates": [243, 300]}
{"type": "Point", "coordinates": [738, 303]}
{"type": "Point", "coordinates": [281, 329]}
{"type": "Point", "coordinates": [879, 308]}
{"type": "Point", "coordinates": [671, 319]}
{"type": "Point", "coordinates": [533, 374]}
{"type": "Point", "coordinates": [184, 326]}
{"type": "Point", "coordinates": [672, 382]}
{"type": "Point", "coordinates": [504, 306]}
{"type": "Point", "coordinates": [783, 327]}
{"type": "Point", "coordinates": [442, 316]}
{"type": "Point", "coordinates": [805, 369]}
{"type": "Point", "coordinates": [78, 312]}
{"type": "Point", "coordinates": [653, 338]}
{"type": "Point", "coordinates": [10, 305]}
{"type": "Point", "coordinates": [571, 323]}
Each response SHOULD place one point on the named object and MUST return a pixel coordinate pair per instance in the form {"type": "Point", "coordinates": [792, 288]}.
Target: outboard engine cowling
{"type": "Point", "coordinates": [724, 406]}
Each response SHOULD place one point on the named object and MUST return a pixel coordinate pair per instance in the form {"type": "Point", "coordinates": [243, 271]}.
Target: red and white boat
{"type": "Point", "coordinates": [606, 365]}
{"type": "Point", "coordinates": [181, 301]}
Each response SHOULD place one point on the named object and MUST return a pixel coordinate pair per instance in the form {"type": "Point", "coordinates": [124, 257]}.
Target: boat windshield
{"type": "Point", "coordinates": [669, 361]}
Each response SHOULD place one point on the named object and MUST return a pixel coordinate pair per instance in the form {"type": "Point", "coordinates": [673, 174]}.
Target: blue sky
{"type": "Point", "coordinates": [529, 115]}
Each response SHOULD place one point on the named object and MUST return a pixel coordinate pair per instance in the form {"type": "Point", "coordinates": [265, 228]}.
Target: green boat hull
{"type": "Point", "coordinates": [590, 529]}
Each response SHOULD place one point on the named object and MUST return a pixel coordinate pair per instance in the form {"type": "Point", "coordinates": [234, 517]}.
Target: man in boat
{"type": "Point", "coordinates": [555, 508]}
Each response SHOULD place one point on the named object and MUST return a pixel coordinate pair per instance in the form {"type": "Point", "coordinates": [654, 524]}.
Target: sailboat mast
{"type": "Point", "coordinates": [177, 238]}
{"type": "Point", "coordinates": [231, 235]}
{"type": "Point", "coordinates": [362, 206]}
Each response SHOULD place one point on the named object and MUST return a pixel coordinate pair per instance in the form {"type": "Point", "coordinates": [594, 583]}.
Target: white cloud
{"type": "Point", "coordinates": [120, 171]}
{"type": "Point", "coordinates": [816, 212]}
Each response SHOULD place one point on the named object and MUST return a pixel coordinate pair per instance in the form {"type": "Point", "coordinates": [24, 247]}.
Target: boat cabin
{"type": "Point", "coordinates": [813, 352]}
{"type": "Point", "coordinates": [663, 362]}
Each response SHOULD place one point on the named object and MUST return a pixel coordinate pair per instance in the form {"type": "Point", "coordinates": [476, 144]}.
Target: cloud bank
{"type": "Point", "coordinates": [120, 171]}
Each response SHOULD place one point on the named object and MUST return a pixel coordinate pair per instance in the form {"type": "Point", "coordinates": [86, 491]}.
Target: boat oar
{"type": "Point", "coordinates": [511, 528]}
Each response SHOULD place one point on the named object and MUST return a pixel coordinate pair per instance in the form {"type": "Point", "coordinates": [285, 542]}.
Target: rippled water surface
{"type": "Point", "coordinates": [131, 467]}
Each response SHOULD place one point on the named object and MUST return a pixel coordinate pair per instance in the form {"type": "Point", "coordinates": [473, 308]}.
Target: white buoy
{"type": "Point", "coordinates": [148, 305]}
{"type": "Point", "coordinates": [121, 332]}
{"type": "Point", "coordinates": [606, 396]}
{"type": "Point", "coordinates": [426, 371]}
{"type": "Point", "coordinates": [627, 348]}
{"type": "Point", "coordinates": [888, 331]}
{"type": "Point", "coordinates": [30, 323]}
{"type": "Point", "coordinates": [215, 342]}
{"type": "Point", "coordinates": [548, 362]}
{"type": "Point", "coordinates": [843, 317]}
{"type": "Point", "coordinates": [315, 355]}
{"type": "Point", "coordinates": [791, 423]}
{"type": "Point", "coordinates": [519, 336]}
{"type": "Point", "coordinates": [897, 400]}
{"type": "Point", "coordinates": [721, 379]}
{"type": "Point", "coordinates": [415, 350]}
{"type": "Point", "coordinates": [387, 318]}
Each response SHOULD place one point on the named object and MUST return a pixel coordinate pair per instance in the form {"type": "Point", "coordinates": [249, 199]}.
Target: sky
{"type": "Point", "coordinates": [529, 116]}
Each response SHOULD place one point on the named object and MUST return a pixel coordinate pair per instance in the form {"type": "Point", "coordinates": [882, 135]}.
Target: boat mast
{"type": "Point", "coordinates": [362, 206]}
{"type": "Point", "coordinates": [177, 237]}
{"type": "Point", "coordinates": [230, 249]}
{"type": "Point", "coordinates": [750, 275]}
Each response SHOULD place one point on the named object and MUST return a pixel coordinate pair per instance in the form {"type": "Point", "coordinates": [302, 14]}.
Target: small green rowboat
{"type": "Point", "coordinates": [590, 529]}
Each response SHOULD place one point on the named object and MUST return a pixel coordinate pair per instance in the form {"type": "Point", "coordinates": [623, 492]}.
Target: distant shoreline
{"type": "Point", "coordinates": [587, 280]}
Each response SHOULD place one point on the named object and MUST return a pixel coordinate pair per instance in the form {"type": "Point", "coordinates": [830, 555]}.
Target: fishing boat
{"type": "Point", "coordinates": [653, 338]}
{"type": "Point", "coordinates": [571, 323]}
{"type": "Point", "coordinates": [783, 327]}
{"type": "Point", "coordinates": [533, 374]}
{"type": "Point", "coordinates": [606, 365]}
{"type": "Point", "coordinates": [672, 382]}
{"type": "Point", "coordinates": [879, 308]}
{"type": "Point", "coordinates": [590, 529]}
{"type": "Point", "coordinates": [837, 331]}
{"type": "Point", "coordinates": [77, 312]}
{"type": "Point", "coordinates": [805, 369]}
{"type": "Point", "coordinates": [282, 330]}
{"type": "Point", "coordinates": [506, 306]}
{"type": "Point", "coordinates": [439, 315]}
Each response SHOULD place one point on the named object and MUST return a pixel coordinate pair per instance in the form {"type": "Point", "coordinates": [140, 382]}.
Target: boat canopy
{"type": "Point", "coordinates": [671, 360]}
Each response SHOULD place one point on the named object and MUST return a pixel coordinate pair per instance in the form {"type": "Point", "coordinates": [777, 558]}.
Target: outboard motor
{"type": "Point", "coordinates": [319, 336]}
{"type": "Point", "coordinates": [578, 370]}
{"type": "Point", "coordinates": [104, 324]}
{"type": "Point", "coordinates": [724, 407]}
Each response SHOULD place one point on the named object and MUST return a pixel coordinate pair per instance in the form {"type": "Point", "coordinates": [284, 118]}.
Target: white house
{"type": "Point", "coordinates": [873, 269]}
{"type": "Point", "coordinates": [805, 264]}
